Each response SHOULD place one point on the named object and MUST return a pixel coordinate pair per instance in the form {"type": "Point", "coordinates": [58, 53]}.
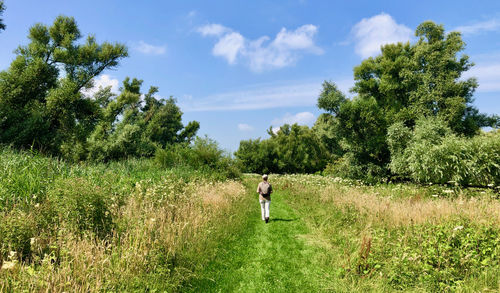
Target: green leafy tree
{"type": "Point", "coordinates": [2, 9]}
{"type": "Point", "coordinates": [292, 149]}
{"type": "Point", "coordinates": [41, 104]}
{"type": "Point", "coordinates": [126, 128]}
{"type": "Point", "coordinates": [405, 82]}
{"type": "Point", "coordinates": [423, 79]}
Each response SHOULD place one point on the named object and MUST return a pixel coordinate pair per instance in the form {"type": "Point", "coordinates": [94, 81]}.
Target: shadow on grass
{"type": "Point", "coordinates": [282, 220]}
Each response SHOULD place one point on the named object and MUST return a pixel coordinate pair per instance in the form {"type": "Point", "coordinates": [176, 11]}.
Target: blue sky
{"type": "Point", "coordinates": [240, 67]}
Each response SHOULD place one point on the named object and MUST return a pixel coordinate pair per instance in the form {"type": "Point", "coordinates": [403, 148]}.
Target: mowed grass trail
{"type": "Point", "coordinates": [264, 257]}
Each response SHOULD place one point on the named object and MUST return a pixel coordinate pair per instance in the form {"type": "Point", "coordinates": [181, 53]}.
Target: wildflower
{"type": "Point", "coordinates": [448, 191]}
{"type": "Point", "coordinates": [434, 195]}
{"type": "Point", "coordinates": [458, 228]}
{"type": "Point", "coordinates": [8, 265]}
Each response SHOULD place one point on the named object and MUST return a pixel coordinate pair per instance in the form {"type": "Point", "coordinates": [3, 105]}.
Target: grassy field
{"type": "Point", "coordinates": [134, 226]}
{"type": "Point", "coordinates": [124, 226]}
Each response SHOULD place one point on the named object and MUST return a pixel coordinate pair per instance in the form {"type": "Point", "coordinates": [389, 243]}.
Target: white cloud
{"type": "Point", "coordinates": [371, 33]}
{"type": "Point", "coordinates": [262, 53]}
{"type": "Point", "coordinates": [103, 81]}
{"type": "Point", "coordinates": [245, 127]}
{"type": "Point", "coordinates": [213, 29]}
{"type": "Point", "coordinates": [229, 46]}
{"type": "Point", "coordinates": [149, 49]}
{"type": "Point", "coordinates": [302, 118]}
{"type": "Point", "coordinates": [488, 26]}
{"type": "Point", "coordinates": [263, 96]}
{"type": "Point", "coordinates": [488, 76]}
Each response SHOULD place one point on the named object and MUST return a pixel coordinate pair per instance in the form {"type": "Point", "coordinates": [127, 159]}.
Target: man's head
{"type": "Point", "coordinates": [264, 177]}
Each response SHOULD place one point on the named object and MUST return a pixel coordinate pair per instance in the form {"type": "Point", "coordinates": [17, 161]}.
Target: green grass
{"type": "Point", "coordinates": [134, 226]}
{"type": "Point", "coordinates": [273, 257]}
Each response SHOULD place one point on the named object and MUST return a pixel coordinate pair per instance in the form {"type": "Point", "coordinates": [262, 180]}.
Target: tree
{"type": "Point", "coordinates": [126, 128]}
{"type": "Point", "coordinates": [293, 149]}
{"type": "Point", "coordinates": [405, 82]}
{"type": "Point", "coordinates": [2, 9]}
{"type": "Point", "coordinates": [41, 104]}
{"type": "Point", "coordinates": [423, 79]}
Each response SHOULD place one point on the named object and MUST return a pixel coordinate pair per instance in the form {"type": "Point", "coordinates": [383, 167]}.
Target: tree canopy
{"type": "Point", "coordinates": [43, 104]}
{"type": "Point", "coordinates": [405, 83]}
{"type": "Point", "coordinates": [2, 9]}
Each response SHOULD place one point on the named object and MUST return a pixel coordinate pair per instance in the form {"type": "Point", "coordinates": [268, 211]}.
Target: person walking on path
{"type": "Point", "coordinates": [264, 190]}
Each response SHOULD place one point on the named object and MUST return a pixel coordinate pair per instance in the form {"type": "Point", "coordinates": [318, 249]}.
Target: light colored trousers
{"type": "Point", "coordinates": [264, 208]}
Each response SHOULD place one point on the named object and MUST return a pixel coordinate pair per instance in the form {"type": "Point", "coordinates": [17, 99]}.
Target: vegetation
{"type": "Point", "coordinates": [292, 149]}
{"type": "Point", "coordinates": [120, 226]}
{"type": "Point", "coordinates": [399, 237]}
{"type": "Point", "coordinates": [2, 9]}
{"type": "Point", "coordinates": [43, 105]}
{"type": "Point", "coordinates": [111, 192]}
{"type": "Point", "coordinates": [406, 83]}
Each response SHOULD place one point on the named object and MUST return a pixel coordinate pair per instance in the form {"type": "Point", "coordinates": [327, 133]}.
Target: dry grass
{"type": "Point", "coordinates": [156, 225]}
{"type": "Point", "coordinates": [413, 210]}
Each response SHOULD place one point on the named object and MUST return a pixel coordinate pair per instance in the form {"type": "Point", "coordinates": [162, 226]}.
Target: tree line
{"type": "Point", "coordinates": [45, 104]}
{"type": "Point", "coordinates": [411, 117]}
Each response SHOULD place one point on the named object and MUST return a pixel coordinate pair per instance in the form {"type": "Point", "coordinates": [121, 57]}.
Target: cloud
{"type": "Point", "coordinates": [488, 26]}
{"type": "Point", "coordinates": [371, 33]}
{"type": "Point", "coordinates": [263, 53]}
{"type": "Point", "coordinates": [102, 81]}
{"type": "Point", "coordinates": [149, 49]}
{"type": "Point", "coordinates": [488, 76]}
{"type": "Point", "coordinates": [245, 127]}
{"type": "Point", "coordinates": [302, 118]}
{"type": "Point", "coordinates": [263, 96]}
{"type": "Point", "coordinates": [228, 46]}
{"type": "Point", "coordinates": [213, 29]}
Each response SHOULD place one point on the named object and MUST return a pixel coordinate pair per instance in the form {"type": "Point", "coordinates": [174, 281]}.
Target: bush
{"type": "Point", "coordinates": [432, 153]}
{"type": "Point", "coordinates": [83, 206]}
{"type": "Point", "coordinates": [204, 155]}
{"type": "Point", "coordinates": [442, 256]}
{"type": "Point", "coordinates": [16, 230]}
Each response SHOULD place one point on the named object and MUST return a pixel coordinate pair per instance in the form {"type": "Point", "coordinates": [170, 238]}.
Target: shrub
{"type": "Point", "coordinates": [82, 205]}
{"type": "Point", "coordinates": [441, 256]}
{"type": "Point", "coordinates": [432, 153]}
{"type": "Point", "coordinates": [16, 230]}
{"type": "Point", "coordinates": [204, 155]}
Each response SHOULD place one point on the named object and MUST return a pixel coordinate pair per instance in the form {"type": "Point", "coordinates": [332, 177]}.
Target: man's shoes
{"type": "Point", "coordinates": [267, 220]}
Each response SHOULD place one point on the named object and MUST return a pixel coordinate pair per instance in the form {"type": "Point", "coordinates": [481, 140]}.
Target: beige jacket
{"type": "Point", "coordinates": [262, 188]}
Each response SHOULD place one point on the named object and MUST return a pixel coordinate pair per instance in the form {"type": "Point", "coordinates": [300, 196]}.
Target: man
{"type": "Point", "coordinates": [264, 190]}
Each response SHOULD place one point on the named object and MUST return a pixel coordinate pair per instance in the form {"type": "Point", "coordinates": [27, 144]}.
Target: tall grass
{"type": "Point", "coordinates": [122, 226]}
{"type": "Point", "coordinates": [400, 237]}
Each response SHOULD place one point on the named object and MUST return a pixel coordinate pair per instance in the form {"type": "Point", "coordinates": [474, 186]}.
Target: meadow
{"type": "Point", "coordinates": [123, 226]}
{"type": "Point", "coordinates": [137, 226]}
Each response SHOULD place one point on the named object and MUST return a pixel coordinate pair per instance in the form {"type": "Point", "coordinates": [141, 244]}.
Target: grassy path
{"type": "Point", "coordinates": [264, 257]}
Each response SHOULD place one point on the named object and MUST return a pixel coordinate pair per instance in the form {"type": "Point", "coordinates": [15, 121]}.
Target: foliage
{"type": "Point", "coordinates": [203, 154]}
{"type": "Point", "coordinates": [126, 128]}
{"type": "Point", "coordinates": [405, 82]}
{"type": "Point", "coordinates": [443, 256]}
{"type": "Point", "coordinates": [2, 9]}
{"type": "Point", "coordinates": [119, 226]}
{"type": "Point", "coordinates": [81, 205]}
{"type": "Point", "coordinates": [292, 149]}
{"type": "Point", "coordinates": [388, 237]}
{"type": "Point", "coordinates": [40, 100]}
{"type": "Point", "coordinates": [432, 153]}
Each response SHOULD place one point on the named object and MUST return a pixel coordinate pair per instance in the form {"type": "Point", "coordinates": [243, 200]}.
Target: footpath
{"type": "Point", "coordinates": [269, 257]}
